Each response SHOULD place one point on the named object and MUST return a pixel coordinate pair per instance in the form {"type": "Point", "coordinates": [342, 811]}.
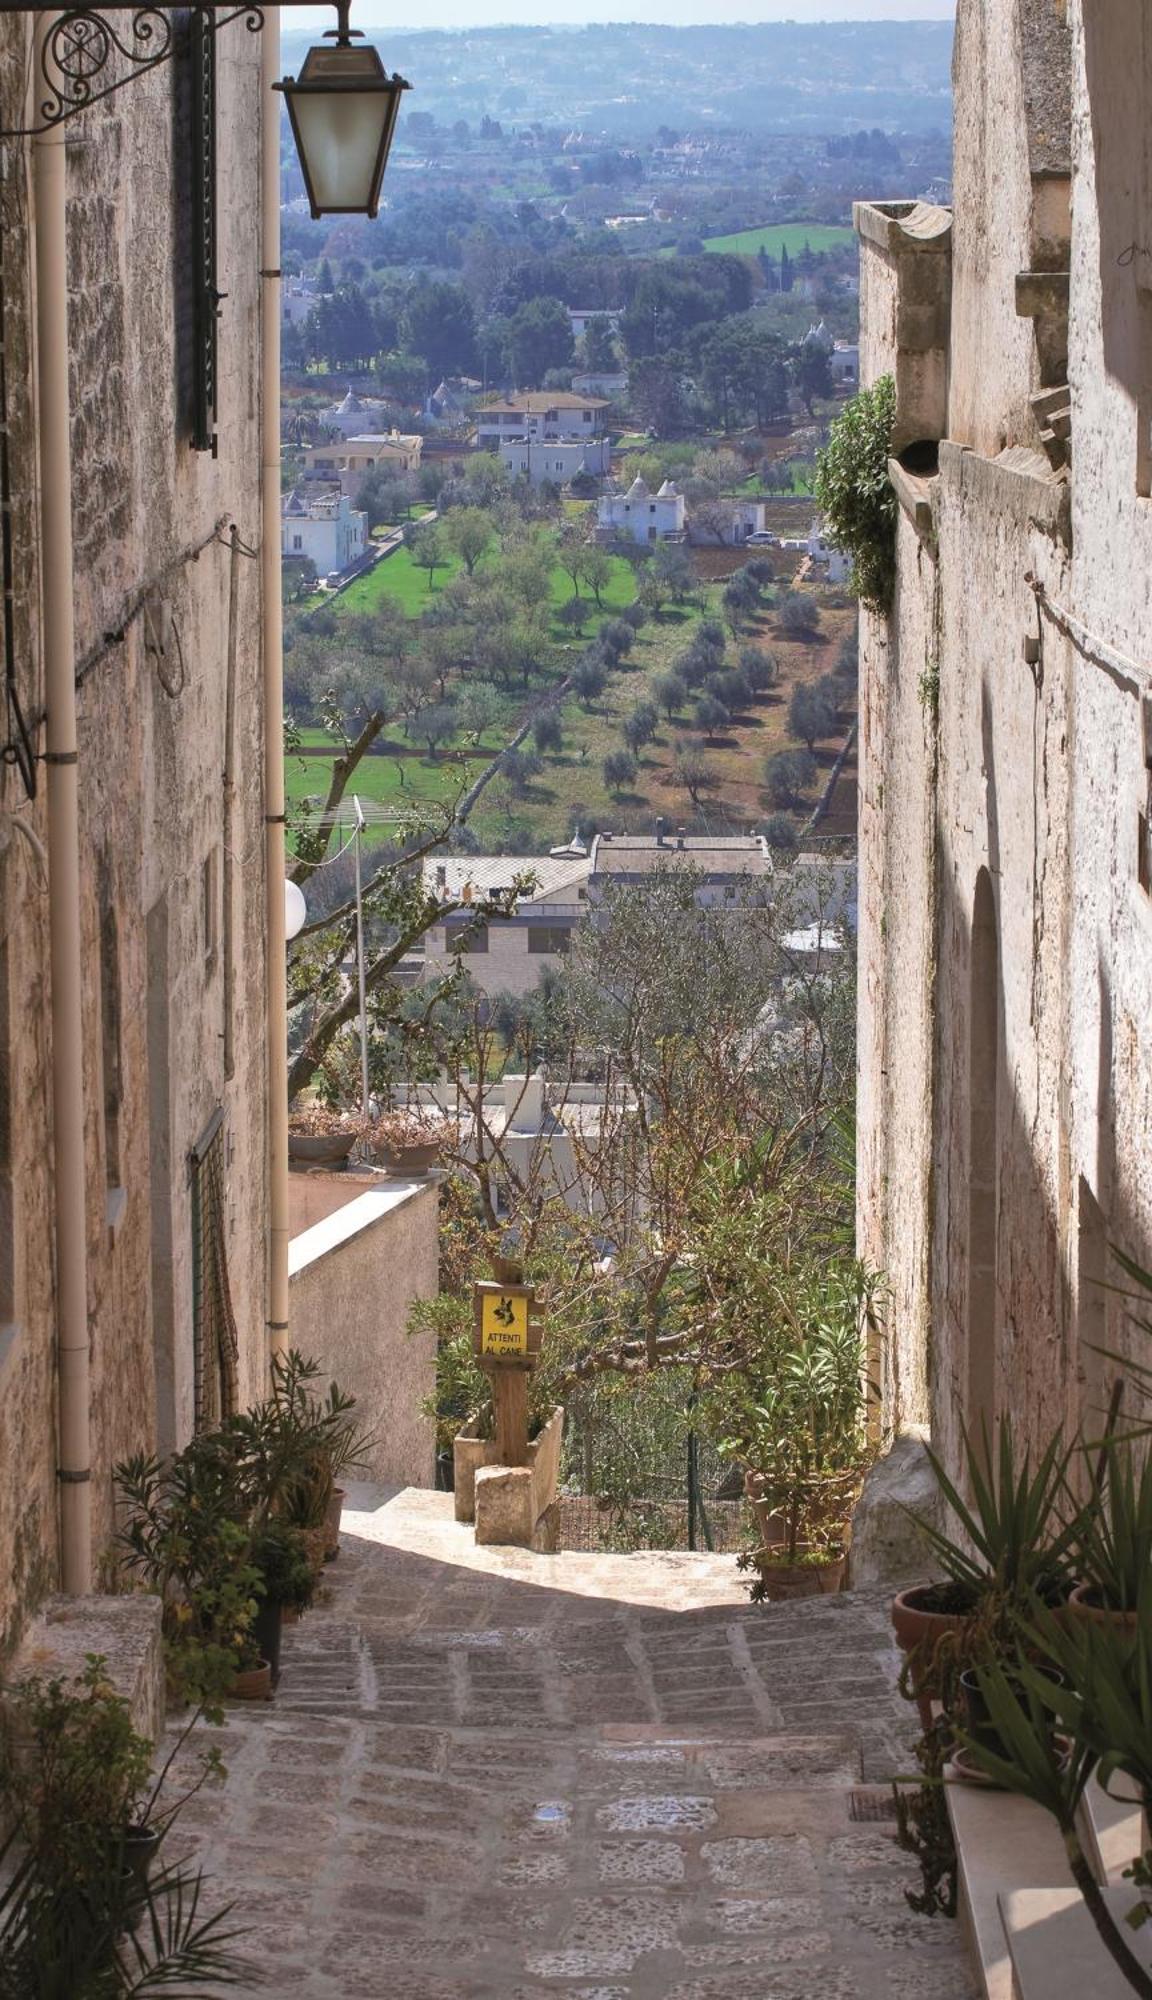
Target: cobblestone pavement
{"type": "Point", "coordinates": [607, 1778]}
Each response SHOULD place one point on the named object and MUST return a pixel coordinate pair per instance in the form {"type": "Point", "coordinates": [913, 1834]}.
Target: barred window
{"type": "Point", "coordinates": [215, 1348]}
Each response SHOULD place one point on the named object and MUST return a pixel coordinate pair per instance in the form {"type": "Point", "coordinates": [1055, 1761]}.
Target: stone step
{"type": "Point", "coordinates": [1112, 1829]}
{"type": "Point", "coordinates": [1002, 1844]}
{"type": "Point", "coordinates": [1055, 1949]}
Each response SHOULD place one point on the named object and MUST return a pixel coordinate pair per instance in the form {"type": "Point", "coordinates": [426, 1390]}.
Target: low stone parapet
{"type": "Point", "coordinates": [125, 1631]}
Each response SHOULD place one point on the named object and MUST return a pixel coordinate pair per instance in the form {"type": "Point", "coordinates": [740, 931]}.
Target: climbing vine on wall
{"type": "Point", "coordinates": [855, 494]}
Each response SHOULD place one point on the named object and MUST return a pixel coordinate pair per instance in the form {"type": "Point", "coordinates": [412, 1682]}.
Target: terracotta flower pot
{"type": "Point", "coordinates": [799, 1579]}
{"type": "Point", "coordinates": [253, 1684]}
{"type": "Point", "coordinates": [919, 1630]}
{"type": "Point", "coordinates": [1081, 1605]}
{"type": "Point", "coordinates": [332, 1524]}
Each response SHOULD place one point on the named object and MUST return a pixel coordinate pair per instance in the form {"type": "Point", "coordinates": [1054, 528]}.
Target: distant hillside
{"type": "Point", "coordinates": [628, 80]}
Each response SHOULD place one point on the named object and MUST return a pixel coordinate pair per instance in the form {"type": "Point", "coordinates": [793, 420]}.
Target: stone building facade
{"type": "Point", "coordinates": [168, 671]}
{"type": "Point", "coordinates": [1006, 748]}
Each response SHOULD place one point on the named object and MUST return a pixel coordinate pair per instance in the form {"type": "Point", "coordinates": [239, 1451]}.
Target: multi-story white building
{"type": "Point", "coordinates": [351, 461]}
{"type": "Point", "coordinates": [542, 415]}
{"type": "Point", "coordinates": [555, 461]}
{"type": "Point", "coordinates": [639, 515]}
{"type": "Point", "coordinates": [324, 528]}
{"type": "Point", "coordinates": [580, 316]}
{"type": "Point", "coordinates": [508, 955]}
{"type": "Point", "coordinates": [729, 867]}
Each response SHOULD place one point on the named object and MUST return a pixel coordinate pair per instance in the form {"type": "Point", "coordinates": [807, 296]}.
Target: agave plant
{"type": "Point", "coordinates": [1017, 1536]}
{"type": "Point", "coordinates": [1114, 1534]}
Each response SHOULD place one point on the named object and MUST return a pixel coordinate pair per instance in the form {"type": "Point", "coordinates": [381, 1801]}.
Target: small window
{"type": "Point", "coordinates": [297, 541]}
{"type": "Point", "coordinates": [550, 938]}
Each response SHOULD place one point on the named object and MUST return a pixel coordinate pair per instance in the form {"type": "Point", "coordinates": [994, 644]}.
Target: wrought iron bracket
{"type": "Point", "coordinates": [83, 46]}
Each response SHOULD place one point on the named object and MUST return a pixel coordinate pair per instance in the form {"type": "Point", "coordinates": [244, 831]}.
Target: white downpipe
{"type": "Point", "coordinates": [49, 173]}
{"type": "Point", "coordinates": [276, 942]}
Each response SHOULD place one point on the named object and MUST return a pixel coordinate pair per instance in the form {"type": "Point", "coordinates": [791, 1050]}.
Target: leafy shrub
{"type": "Point", "coordinates": [855, 493]}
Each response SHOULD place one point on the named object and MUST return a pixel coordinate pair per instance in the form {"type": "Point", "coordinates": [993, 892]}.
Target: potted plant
{"type": "Point", "coordinates": [77, 1777]}
{"type": "Point", "coordinates": [798, 1422]}
{"type": "Point", "coordinates": [319, 1136]}
{"type": "Point", "coordinates": [406, 1142]}
{"type": "Point", "coordinates": [286, 1583]}
{"type": "Point", "coordinates": [1012, 1547]}
{"type": "Point", "coordinates": [306, 1442]}
{"type": "Point", "coordinates": [189, 1537]}
{"type": "Point", "coordinates": [1113, 1543]}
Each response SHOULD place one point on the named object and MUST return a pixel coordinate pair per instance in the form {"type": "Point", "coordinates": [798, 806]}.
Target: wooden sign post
{"type": "Point", "coordinates": [506, 1338]}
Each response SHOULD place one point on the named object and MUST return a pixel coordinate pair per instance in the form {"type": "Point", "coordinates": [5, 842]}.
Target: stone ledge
{"type": "Point", "coordinates": [1055, 1948]}
{"type": "Point", "coordinates": [913, 228]}
{"type": "Point", "coordinates": [1017, 481]}
{"type": "Point", "coordinates": [512, 1501]}
{"type": "Point", "coordinates": [915, 495]}
{"type": "Point", "coordinates": [125, 1630]}
{"type": "Point", "coordinates": [1002, 1844]}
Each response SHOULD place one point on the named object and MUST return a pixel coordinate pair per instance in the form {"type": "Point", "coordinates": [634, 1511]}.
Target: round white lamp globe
{"type": "Point", "coordinates": [295, 910]}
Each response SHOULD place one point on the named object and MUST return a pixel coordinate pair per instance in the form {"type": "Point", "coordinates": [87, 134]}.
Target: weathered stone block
{"type": "Point", "coordinates": [469, 1453]}
{"type": "Point", "coordinates": [511, 1499]}
{"type": "Point", "coordinates": [124, 1630]}
{"type": "Point", "coordinates": [888, 1546]}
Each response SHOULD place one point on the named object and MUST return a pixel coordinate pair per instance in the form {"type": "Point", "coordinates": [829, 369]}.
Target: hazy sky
{"type": "Point", "coordinates": [385, 14]}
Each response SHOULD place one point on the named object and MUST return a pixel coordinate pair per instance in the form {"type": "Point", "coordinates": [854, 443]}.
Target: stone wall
{"type": "Point", "coordinates": [149, 516]}
{"type": "Point", "coordinates": [1005, 935]}
{"type": "Point", "coordinates": [353, 1277]}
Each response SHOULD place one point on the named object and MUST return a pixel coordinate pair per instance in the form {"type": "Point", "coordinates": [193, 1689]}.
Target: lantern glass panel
{"type": "Point", "coordinates": [340, 137]}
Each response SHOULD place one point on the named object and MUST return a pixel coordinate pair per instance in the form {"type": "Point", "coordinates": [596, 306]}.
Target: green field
{"type": "Point", "coordinates": [397, 578]}
{"type": "Point", "coordinates": [776, 236]}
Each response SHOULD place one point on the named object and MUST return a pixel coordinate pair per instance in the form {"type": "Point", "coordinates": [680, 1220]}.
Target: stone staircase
{"type": "Point", "coordinates": [1034, 1939]}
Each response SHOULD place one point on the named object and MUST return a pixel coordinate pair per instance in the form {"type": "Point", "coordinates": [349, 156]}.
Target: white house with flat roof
{"type": "Point", "coordinates": [508, 954]}
{"type": "Point", "coordinates": [540, 414]}
{"type": "Point", "coordinates": [729, 865]}
{"type": "Point", "coordinates": [639, 515]}
{"type": "Point", "coordinates": [579, 318]}
{"type": "Point", "coordinates": [555, 461]}
{"type": "Point", "coordinates": [350, 460]}
{"type": "Point", "coordinates": [324, 528]}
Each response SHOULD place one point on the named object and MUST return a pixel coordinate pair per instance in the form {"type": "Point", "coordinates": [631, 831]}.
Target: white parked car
{"type": "Point", "coordinates": [763, 541]}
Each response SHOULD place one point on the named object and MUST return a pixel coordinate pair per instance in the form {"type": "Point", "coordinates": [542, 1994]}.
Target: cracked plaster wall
{"type": "Point", "coordinates": [150, 801]}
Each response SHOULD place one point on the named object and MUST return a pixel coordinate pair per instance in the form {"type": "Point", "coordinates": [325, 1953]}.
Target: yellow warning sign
{"type": "Point", "coordinates": [503, 1323]}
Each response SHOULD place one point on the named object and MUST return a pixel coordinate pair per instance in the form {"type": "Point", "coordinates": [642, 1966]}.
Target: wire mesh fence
{"type": "Point", "coordinates": [640, 1472]}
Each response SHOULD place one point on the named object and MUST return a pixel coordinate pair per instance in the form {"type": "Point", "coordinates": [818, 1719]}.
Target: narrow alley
{"type": "Point", "coordinates": [606, 1777]}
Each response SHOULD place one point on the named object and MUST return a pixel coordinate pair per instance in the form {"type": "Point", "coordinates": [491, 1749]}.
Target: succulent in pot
{"type": "Point", "coordinates": [1014, 1547]}
{"type": "Point", "coordinates": [287, 1583]}
{"type": "Point", "coordinates": [1113, 1547]}
{"type": "Point", "coordinates": [406, 1141]}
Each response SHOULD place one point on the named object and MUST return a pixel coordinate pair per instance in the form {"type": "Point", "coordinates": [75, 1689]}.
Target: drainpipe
{"type": "Point", "coordinates": [276, 944]}
{"type": "Point", "coordinates": [229, 814]}
{"type": "Point", "coordinates": [49, 174]}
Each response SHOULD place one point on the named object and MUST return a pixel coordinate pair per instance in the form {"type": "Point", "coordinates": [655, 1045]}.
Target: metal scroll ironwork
{"type": "Point", "coordinates": [83, 46]}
